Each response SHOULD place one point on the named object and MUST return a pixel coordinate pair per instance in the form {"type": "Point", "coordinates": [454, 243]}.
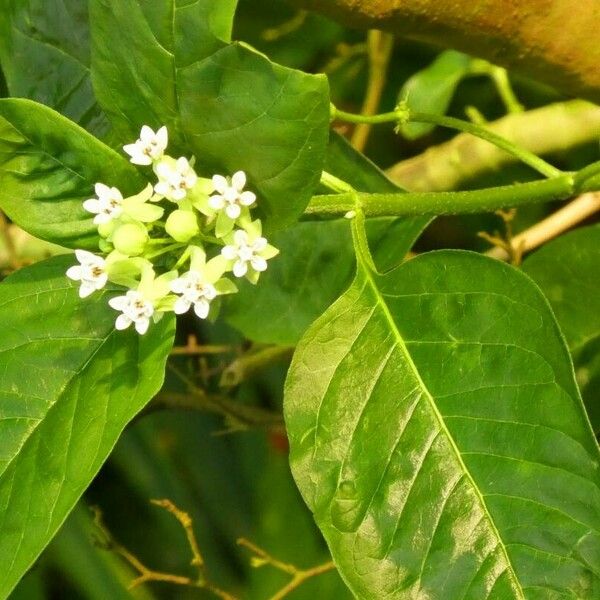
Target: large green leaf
{"type": "Point", "coordinates": [70, 383]}
{"type": "Point", "coordinates": [567, 271]}
{"type": "Point", "coordinates": [316, 260]}
{"type": "Point", "coordinates": [48, 167]}
{"type": "Point", "coordinates": [438, 435]}
{"type": "Point", "coordinates": [45, 55]}
{"type": "Point", "coordinates": [138, 49]}
{"type": "Point", "coordinates": [227, 104]}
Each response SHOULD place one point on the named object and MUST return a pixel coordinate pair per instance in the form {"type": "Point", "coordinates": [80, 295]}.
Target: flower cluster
{"type": "Point", "coordinates": [174, 243]}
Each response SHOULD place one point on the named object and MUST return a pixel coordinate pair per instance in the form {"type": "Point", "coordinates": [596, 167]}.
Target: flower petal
{"type": "Point", "coordinates": [182, 305]}
{"type": "Point", "coordinates": [146, 134]}
{"type": "Point", "coordinates": [141, 326]}
{"type": "Point", "coordinates": [92, 205]}
{"type": "Point", "coordinates": [123, 322]}
{"type": "Point", "coordinates": [100, 281]}
{"type": "Point", "coordinates": [216, 202]}
{"type": "Point", "coordinates": [162, 137]}
{"type": "Point", "coordinates": [201, 308]}
{"type": "Point", "coordinates": [259, 264]}
{"type": "Point", "coordinates": [238, 180]}
{"type": "Point", "coordinates": [178, 285]}
{"type": "Point", "coordinates": [240, 237]}
{"type": "Point", "coordinates": [259, 244]}
{"type": "Point", "coordinates": [219, 183]}
{"type": "Point", "coordinates": [74, 272]}
{"type": "Point", "coordinates": [229, 252]}
{"type": "Point", "coordinates": [86, 288]}
{"type": "Point", "coordinates": [119, 303]}
{"type": "Point", "coordinates": [101, 190]}
{"type": "Point", "coordinates": [247, 198]}
{"type": "Point", "coordinates": [233, 211]}
{"type": "Point", "coordinates": [240, 268]}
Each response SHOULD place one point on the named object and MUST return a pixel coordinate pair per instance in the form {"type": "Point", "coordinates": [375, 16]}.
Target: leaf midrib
{"type": "Point", "coordinates": [364, 267]}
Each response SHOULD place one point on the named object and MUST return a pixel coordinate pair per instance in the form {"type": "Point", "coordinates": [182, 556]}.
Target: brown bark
{"type": "Point", "coordinates": [553, 41]}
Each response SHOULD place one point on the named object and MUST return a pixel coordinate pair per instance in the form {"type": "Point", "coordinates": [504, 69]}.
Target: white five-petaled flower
{"type": "Point", "coordinates": [175, 178]}
{"type": "Point", "coordinates": [91, 272]}
{"type": "Point", "coordinates": [245, 252]}
{"type": "Point", "coordinates": [149, 147]}
{"type": "Point", "coordinates": [194, 290]}
{"type": "Point", "coordinates": [107, 205]}
{"type": "Point", "coordinates": [231, 196]}
{"type": "Point", "coordinates": [135, 309]}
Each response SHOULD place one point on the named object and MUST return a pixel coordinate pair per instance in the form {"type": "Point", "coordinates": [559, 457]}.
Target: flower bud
{"type": "Point", "coordinates": [182, 225]}
{"type": "Point", "coordinates": [106, 229]}
{"type": "Point", "coordinates": [130, 239]}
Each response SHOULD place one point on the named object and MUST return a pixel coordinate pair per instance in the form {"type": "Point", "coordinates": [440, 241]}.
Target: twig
{"type": "Point", "coordinates": [507, 243]}
{"type": "Point", "coordinates": [299, 576]}
{"type": "Point", "coordinates": [290, 26]}
{"type": "Point", "coordinates": [251, 362]}
{"type": "Point", "coordinates": [147, 575]}
{"type": "Point", "coordinates": [568, 216]}
{"type": "Point", "coordinates": [380, 47]}
{"type": "Point", "coordinates": [193, 348]}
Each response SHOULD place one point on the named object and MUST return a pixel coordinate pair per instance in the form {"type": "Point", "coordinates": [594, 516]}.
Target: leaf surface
{"type": "Point", "coordinates": [48, 167]}
{"type": "Point", "coordinates": [45, 56]}
{"type": "Point", "coordinates": [316, 259]}
{"type": "Point", "coordinates": [224, 103]}
{"type": "Point", "coordinates": [438, 436]}
{"type": "Point", "coordinates": [69, 383]}
{"type": "Point", "coordinates": [567, 271]}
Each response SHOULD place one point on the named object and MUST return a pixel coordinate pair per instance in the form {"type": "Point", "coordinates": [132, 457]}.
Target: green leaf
{"type": "Point", "coordinates": [438, 435]}
{"type": "Point", "coordinates": [70, 383]}
{"type": "Point", "coordinates": [45, 55]}
{"type": "Point", "coordinates": [48, 167]}
{"type": "Point", "coordinates": [567, 271]}
{"type": "Point", "coordinates": [432, 89]}
{"type": "Point", "coordinates": [138, 49]}
{"type": "Point", "coordinates": [316, 259]}
{"type": "Point", "coordinates": [227, 104]}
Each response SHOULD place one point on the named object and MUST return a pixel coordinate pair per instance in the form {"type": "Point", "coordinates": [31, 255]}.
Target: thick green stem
{"type": "Point", "coordinates": [403, 115]}
{"type": "Point", "coordinates": [438, 203]}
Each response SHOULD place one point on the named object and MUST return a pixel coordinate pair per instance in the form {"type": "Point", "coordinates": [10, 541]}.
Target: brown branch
{"type": "Point", "coordinates": [380, 47]}
{"type": "Point", "coordinates": [147, 575]}
{"type": "Point", "coordinates": [253, 361]}
{"type": "Point", "coordinates": [299, 576]}
{"type": "Point", "coordinates": [562, 220]}
{"type": "Point", "coordinates": [555, 42]}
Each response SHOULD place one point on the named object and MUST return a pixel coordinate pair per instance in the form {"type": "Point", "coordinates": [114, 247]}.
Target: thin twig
{"type": "Point", "coordinates": [507, 242]}
{"type": "Point", "coordinates": [194, 348]}
{"type": "Point", "coordinates": [380, 47]}
{"type": "Point", "coordinates": [251, 362]}
{"type": "Point", "coordinates": [568, 216]}
{"type": "Point", "coordinates": [147, 575]}
{"type": "Point", "coordinates": [299, 576]}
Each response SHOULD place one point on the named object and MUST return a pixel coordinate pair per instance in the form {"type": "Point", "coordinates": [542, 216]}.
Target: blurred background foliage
{"type": "Point", "coordinates": [227, 467]}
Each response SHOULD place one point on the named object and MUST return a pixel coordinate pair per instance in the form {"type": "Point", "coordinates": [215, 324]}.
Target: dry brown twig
{"type": "Point", "coordinates": [299, 576]}
{"type": "Point", "coordinates": [147, 575]}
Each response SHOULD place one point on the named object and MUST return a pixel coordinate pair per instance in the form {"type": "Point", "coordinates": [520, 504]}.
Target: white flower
{"type": "Point", "coordinates": [91, 272]}
{"type": "Point", "coordinates": [194, 290]}
{"type": "Point", "coordinates": [135, 308]}
{"type": "Point", "coordinates": [245, 253]}
{"type": "Point", "coordinates": [150, 147]}
{"type": "Point", "coordinates": [175, 178]}
{"type": "Point", "coordinates": [107, 206]}
{"type": "Point", "coordinates": [231, 196]}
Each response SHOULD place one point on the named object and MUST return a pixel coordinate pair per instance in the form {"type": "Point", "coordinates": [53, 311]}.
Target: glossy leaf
{"type": "Point", "coordinates": [70, 383]}
{"type": "Point", "coordinates": [438, 435]}
{"type": "Point", "coordinates": [136, 68]}
{"type": "Point", "coordinates": [432, 89]}
{"type": "Point", "coordinates": [45, 55]}
{"type": "Point", "coordinates": [227, 104]}
{"type": "Point", "coordinates": [48, 167]}
{"type": "Point", "coordinates": [567, 271]}
{"type": "Point", "coordinates": [316, 259]}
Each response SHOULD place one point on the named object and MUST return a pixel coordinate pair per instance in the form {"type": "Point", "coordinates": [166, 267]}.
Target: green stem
{"type": "Point", "coordinates": [402, 114]}
{"type": "Point", "coordinates": [438, 203]}
{"type": "Point", "coordinates": [163, 250]}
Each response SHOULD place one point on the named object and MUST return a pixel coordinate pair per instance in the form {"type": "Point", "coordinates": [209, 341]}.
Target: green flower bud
{"type": "Point", "coordinates": [106, 229]}
{"type": "Point", "coordinates": [130, 239]}
{"type": "Point", "coordinates": [182, 225]}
